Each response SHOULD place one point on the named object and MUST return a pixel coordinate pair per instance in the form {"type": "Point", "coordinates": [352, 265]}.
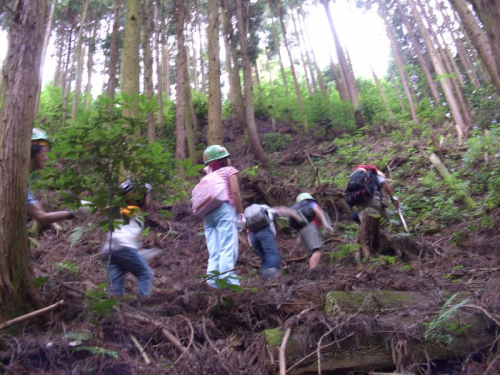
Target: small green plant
{"type": "Point", "coordinates": [442, 328]}
{"type": "Point", "coordinates": [97, 350]}
{"type": "Point", "coordinates": [405, 267]}
{"type": "Point", "coordinates": [98, 301]}
{"type": "Point", "coordinates": [77, 338]}
{"type": "Point", "coordinates": [77, 234]}
{"type": "Point", "coordinates": [388, 260]}
{"type": "Point", "coordinates": [343, 251]}
{"type": "Point", "coordinates": [275, 141]}
{"type": "Point", "coordinates": [252, 171]}
{"type": "Point", "coordinates": [69, 267]}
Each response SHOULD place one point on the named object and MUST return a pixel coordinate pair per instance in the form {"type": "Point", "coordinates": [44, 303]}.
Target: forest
{"type": "Point", "coordinates": [113, 111]}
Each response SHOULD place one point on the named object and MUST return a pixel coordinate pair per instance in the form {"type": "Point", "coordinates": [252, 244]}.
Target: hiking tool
{"type": "Point", "coordinates": [403, 219]}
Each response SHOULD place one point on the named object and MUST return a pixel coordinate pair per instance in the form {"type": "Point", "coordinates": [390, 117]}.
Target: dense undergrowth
{"type": "Point", "coordinates": [453, 249]}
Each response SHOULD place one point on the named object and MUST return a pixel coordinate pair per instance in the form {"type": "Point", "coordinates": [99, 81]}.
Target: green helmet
{"type": "Point", "coordinates": [214, 152]}
{"type": "Point", "coordinates": [40, 135]}
{"type": "Point", "coordinates": [303, 196]}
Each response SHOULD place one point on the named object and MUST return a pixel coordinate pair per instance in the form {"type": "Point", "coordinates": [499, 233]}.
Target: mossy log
{"type": "Point", "coordinates": [372, 351]}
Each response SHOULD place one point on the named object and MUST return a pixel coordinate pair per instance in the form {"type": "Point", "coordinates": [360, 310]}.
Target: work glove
{"type": "Point", "coordinates": [241, 223]}
{"type": "Point", "coordinates": [82, 213]}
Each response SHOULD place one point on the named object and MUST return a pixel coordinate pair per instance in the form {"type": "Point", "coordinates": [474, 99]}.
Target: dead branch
{"type": "Point", "coordinates": [208, 338]}
{"type": "Point", "coordinates": [291, 260]}
{"type": "Point", "coordinates": [169, 336]}
{"type": "Point", "coordinates": [282, 350]}
{"type": "Point", "coordinates": [30, 315]}
{"type": "Point", "coordinates": [190, 341]}
{"type": "Point", "coordinates": [141, 349]}
{"type": "Point", "coordinates": [485, 312]}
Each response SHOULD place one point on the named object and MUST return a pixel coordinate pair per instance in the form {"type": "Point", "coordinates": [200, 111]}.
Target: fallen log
{"type": "Point", "coordinates": [353, 349]}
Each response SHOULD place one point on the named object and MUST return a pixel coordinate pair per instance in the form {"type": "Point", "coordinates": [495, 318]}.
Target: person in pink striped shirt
{"type": "Point", "coordinates": [222, 224]}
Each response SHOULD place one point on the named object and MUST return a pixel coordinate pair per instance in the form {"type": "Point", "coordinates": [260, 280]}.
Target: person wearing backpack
{"type": "Point", "coordinates": [310, 236]}
{"type": "Point", "coordinates": [365, 193]}
{"type": "Point", "coordinates": [120, 251]}
{"type": "Point", "coordinates": [262, 236]}
{"type": "Point", "coordinates": [217, 199]}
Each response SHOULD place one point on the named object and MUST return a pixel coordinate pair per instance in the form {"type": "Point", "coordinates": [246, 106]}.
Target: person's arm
{"type": "Point", "coordinates": [234, 186]}
{"type": "Point", "coordinates": [35, 211]}
{"type": "Point", "coordinates": [388, 189]}
{"type": "Point", "coordinates": [287, 212]}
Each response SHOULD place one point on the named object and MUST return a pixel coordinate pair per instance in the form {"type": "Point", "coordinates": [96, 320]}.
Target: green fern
{"type": "Point", "coordinates": [98, 350]}
{"type": "Point", "coordinates": [77, 234]}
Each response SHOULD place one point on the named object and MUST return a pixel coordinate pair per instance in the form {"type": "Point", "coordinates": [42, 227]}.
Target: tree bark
{"type": "Point", "coordinates": [399, 63]}
{"type": "Point", "coordinates": [189, 116]}
{"type": "Point", "coordinates": [78, 58]}
{"type": "Point", "coordinates": [180, 129]}
{"type": "Point", "coordinates": [214, 129]}
{"type": "Point", "coordinates": [130, 55]}
{"type": "Point", "coordinates": [416, 47]}
{"type": "Point", "coordinates": [258, 151]}
{"type": "Point", "coordinates": [165, 66]}
{"type": "Point", "coordinates": [46, 39]}
{"type": "Point", "coordinates": [298, 93]}
{"type": "Point", "coordinates": [60, 45]}
{"type": "Point", "coordinates": [148, 66]}
{"type": "Point", "coordinates": [194, 61]}
{"type": "Point", "coordinates": [235, 92]}
{"type": "Point", "coordinates": [479, 39]}
{"type": "Point", "coordinates": [20, 86]}
{"type": "Point", "coordinates": [488, 12]}
{"type": "Point", "coordinates": [278, 50]}
{"type": "Point", "coordinates": [382, 93]}
{"type": "Point", "coordinates": [159, 77]}
{"type": "Point", "coordinates": [311, 84]}
{"type": "Point", "coordinates": [462, 128]}
{"type": "Point", "coordinates": [66, 73]}
{"type": "Point", "coordinates": [90, 66]}
{"type": "Point", "coordinates": [396, 90]}
{"type": "Point", "coordinates": [113, 51]}
{"type": "Point", "coordinates": [202, 61]}
{"type": "Point", "coordinates": [339, 83]}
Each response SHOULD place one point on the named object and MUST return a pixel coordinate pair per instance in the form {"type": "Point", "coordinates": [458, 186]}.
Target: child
{"type": "Point", "coordinates": [222, 224]}
{"type": "Point", "coordinates": [310, 236]}
{"type": "Point", "coordinates": [120, 251]}
{"type": "Point", "coordinates": [262, 236]}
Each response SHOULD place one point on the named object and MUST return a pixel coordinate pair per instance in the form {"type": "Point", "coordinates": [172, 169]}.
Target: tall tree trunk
{"type": "Point", "coordinates": [66, 72]}
{"type": "Point", "coordinates": [258, 151]}
{"type": "Point", "coordinates": [396, 90]}
{"type": "Point", "coordinates": [165, 65]}
{"type": "Point", "coordinates": [462, 53]}
{"type": "Point", "coordinates": [148, 66]}
{"type": "Point", "coordinates": [130, 55]}
{"type": "Point", "coordinates": [90, 66]}
{"type": "Point", "coordinates": [21, 81]}
{"type": "Point", "coordinates": [382, 93]}
{"type": "Point", "coordinates": [311, 84]}
{"type": "Point", "coordinates": [159, 95]}
{"type": "Point", "coordinates": [488, 12]}
{"type": "Point", "coordinates": [46, 39]}
{"type": "Point", "coordinates": [479, 39]}
{"type": "Point", "coordinates": [202, 61]}
{"type": "Point", "coordinates": [339, 83]}
{"type": "Point", "coordinates": [180, 128]}
{"type": "Point", "coordinates": [344, 68]}
{"type": "Point", "coordinates": [416, 47]}
{"type": "Point", "coordinates": [189, 116]}
{"type": "Point", "coordinates": [278, 50]}
{"type": "Point", "coordinates": [60, 46]}
{"type": "Point", "coordinates": [214, 129]}
{"type": "Point", "coordinates": [446, 85]}
{"type": "Point", "coordinates": [292, 68]}
{"type": "Point", "coordinates": [113, 51]}
{"type": "Point", "coordinates": [235, 93]}
{"type": "Point", "coordinates": [399, 63]}
{"type": "Point", "coordinates": [78, 53]}
{"type": "Point", "coordinates": [195, 59]}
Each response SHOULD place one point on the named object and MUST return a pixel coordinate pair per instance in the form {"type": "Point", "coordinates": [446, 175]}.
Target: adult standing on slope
{"type": "Point", "coordinates": [40, 146]}
{"type": "Point", "coordinates": [222, 223]}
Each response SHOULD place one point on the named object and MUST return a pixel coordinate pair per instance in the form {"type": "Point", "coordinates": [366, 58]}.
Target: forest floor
{"type": "Point", "coordinates": [390, 317]}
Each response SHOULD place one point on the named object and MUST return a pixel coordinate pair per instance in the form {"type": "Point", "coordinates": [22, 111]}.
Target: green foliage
{"type": "Point", "coordinates": [251, 172]}
{"type": "Point", "coordinates": [200, 102]}
{"type": "Point", "coordinates": [388, 260]}
{"type": "Point", "coordinates": [40, 280]}
{"type": "Point", "coordinates": [69, 267]}
{"type": "Point", "coordinates": [225, 282]}
{"type": "Point", "coordinates": [77, 233]}
{"type": "Point", "coordinates": [343, 251]}
{"type": "Point", "coordinates": [96, 146]}
{"type": "Point", "coordinates": [99, 351]}
{"type": "Point", "coordinates": [442, 328]}
{"type": "Point", "coordinates": [77, 338]}
{"type": "Point", "coordinates": [275, 141]}
{"type": "Point", "coordinates": [97, 300]}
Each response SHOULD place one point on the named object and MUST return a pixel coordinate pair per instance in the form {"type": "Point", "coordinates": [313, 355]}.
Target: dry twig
{"type": "Point", "coordinates": [30, 315]}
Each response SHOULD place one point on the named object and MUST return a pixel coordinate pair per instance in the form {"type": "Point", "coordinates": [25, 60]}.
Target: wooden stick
{"type": "Point", "coordinates": [190, 341]}
{"type": "Point", "coordinates": [31, 315]}
{"type": "Point", "coordinates": [451, 181]}
{"type": "Point", "coordinates": [282, 350]}
{"type": "Point", "coordinates": [141, 349]}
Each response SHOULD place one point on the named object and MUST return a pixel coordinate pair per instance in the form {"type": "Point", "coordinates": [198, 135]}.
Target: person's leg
{"type": "Point", "coordinates": [130, 261]}
{"type": "Point", "coordinates": [256, 246]}
{"type": "Point", "coordinates": [212, 245]}
{"type": "Point", "coordinates": [116, 277]}
{"type": "Point", "coordinates": [312, 242]}
{"type": "Point", "coordinates": [315, 258]}
{"type": "Point", "coordinates": [227, 233]}
{"type": "Point", "coordinates": [269, 248]}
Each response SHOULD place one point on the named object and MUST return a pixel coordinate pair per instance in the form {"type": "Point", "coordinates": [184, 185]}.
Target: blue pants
{"type": "Point", "coordinates": [222, 242]}
{"type": "Point", "coordinates": [127, 260]}
{"type": "Point", "coordinates": [264, 245]}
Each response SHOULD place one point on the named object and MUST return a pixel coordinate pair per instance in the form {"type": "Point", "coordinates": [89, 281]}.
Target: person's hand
{"type": "Point", "coordinates": [82, 213]}
{"type": "Point", "coordinates": [241, 223]}
{"type": "Point", "coordinates": [395, 202]}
